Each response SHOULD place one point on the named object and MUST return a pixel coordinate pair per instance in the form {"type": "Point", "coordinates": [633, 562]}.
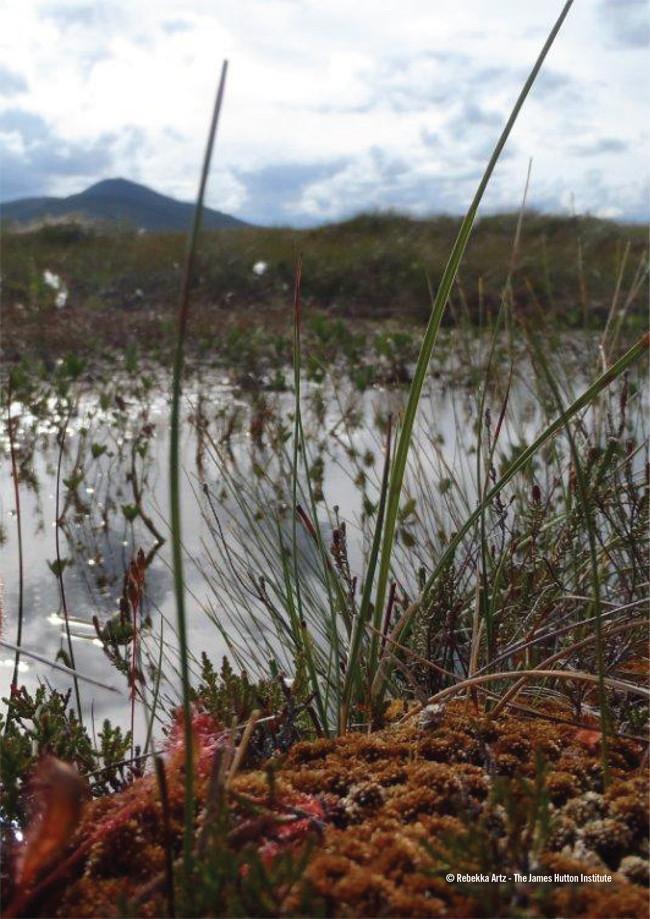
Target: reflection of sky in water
{"type": "Point", "coordinates": [445, 435]}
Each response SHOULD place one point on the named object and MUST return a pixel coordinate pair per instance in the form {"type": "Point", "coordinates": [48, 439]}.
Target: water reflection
{"type": "Point", "coordinates": [111, 444]}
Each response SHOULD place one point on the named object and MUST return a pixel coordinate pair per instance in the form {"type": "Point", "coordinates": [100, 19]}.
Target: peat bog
{"type": "Point", "coordinates": [389, 658]}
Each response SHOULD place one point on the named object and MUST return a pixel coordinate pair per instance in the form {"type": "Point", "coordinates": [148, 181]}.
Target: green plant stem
{"type": "Point", "coordinates": [587, 514]}
{"type": "Point", "coordinates": [57, 530]}
{"type": "Point", "coordinates": [573, 675]}
{"type": "Point", "coordinates": [302, 635]}
{"type": "Point", "coordinates": [174, 481]}
{"type": "Point", "coordinates": [632, 355]}
{"type": "Point", "coordinates": [353, 666]}
{"type": "Point", "coordinates": [154, 704]}
{"type": "Point", "coordinates": [19, 529]}
{"type": "Point", "coordinates": [438, 308]}
{"type": "Point", "coordinates": [56, 666]}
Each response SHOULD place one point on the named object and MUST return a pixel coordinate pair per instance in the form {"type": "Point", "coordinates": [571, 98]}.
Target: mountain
{"type": "Point", "coordinates": [113, 201]}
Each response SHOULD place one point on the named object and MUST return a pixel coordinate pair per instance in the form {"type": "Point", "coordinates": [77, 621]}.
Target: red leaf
{"type": "Point", "coordinates": [59, 795]}
{"type": "Point", "coordinates": [588, 739]}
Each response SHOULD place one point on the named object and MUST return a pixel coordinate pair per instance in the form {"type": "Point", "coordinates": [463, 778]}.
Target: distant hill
{"type": "Point", "coordinates": [115, 201]}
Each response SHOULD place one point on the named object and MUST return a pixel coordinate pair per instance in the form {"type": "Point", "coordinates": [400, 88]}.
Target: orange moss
{"type": "Point", "coordinates": [394, 811]}
{"type": "Point", "coordinates": [561, 786]}
{"type": "Point", "coordinates": [625, 901]}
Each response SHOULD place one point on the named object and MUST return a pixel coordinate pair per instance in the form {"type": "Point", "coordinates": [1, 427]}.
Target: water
{"type": "Point", "coordinates": [116, 456]}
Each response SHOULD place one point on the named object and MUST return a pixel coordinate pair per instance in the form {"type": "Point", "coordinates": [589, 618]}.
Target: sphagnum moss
{"type": "Point", "coordinates": [379, 824]}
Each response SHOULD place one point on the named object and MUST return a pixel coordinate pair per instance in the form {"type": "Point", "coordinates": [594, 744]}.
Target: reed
{"type": "Point", "coordinates": [174, 479]}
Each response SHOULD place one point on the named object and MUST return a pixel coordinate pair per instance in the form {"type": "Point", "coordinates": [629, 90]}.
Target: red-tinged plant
{"type": "Point", "coordinates": [59, 794]}
{"type": "Point", "coordinates": [589, 739]}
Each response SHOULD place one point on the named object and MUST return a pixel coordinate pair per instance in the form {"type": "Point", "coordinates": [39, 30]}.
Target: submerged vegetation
{"type": "Point", "coordinates": [425, 559]}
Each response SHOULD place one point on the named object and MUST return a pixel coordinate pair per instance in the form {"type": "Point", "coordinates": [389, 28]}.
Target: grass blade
{"type": "Point", "coordinates": [588, 517]}
{"type": "Point", "coordinates": [19, 649]}
{"type": "Point", "coordinates": [632, 355]}
{"type": "Point", "coordinates": [438, 308]}
{"type": "Point", "coordinates": [352, 667]}
{"type": "Point", "coordinates": [174, 479]}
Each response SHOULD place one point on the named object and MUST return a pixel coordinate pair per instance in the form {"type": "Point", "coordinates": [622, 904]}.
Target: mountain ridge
{"type": "Point", "coordinates": [115, 200]}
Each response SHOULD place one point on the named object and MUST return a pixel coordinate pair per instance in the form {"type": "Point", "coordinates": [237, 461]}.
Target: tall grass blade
{"type": "Point", "coordinates": [299, 624]}
{"type": "Point", "coordinates": [573, 675]}
{"type": "Point", "coordinates": [627, 359]}
{"type": "Point", "coordinates": [59, 564]}
{"type": "Point", "coordinates": [19, 649]}
{"type": "Point", "coordinates": [174, 479]}
{"type": "Point", "coordinates": [438, 308]}
{"type": "Point", "coordinates": [19, 533]}
{"type": "Point", "coordinates": [587, 514]}
{"type": "Point", "coordinates": [353, 664]}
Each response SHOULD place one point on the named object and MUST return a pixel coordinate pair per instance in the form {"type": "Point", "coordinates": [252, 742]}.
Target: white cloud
{"type": "Point", "coordinates": [373, 104]}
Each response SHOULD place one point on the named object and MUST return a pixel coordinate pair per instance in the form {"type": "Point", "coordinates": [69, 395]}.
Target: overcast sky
{"type": "Point", "coordinates": [332, 106]}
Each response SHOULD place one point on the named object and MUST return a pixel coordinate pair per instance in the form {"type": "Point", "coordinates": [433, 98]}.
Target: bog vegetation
{"type": "Point", "coordinates": [434, 634]}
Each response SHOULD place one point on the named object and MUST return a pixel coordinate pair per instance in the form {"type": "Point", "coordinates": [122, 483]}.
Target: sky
{"type": "Point", "coordinates": [332, 107]}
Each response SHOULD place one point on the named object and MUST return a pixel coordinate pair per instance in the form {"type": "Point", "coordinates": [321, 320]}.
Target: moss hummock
{"type": "Point", "coordinates": [376, 822]}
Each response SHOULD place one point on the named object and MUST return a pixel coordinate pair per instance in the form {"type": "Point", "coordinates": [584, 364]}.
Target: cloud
{"type": "Point", "coordinates": [627, 21]}
{"type": "Point", "coordinates": [599, 146]}
{"type": "Point", "coordinates": [330, 108]}
{"type": "Point", "coordinates": [379, 180]}
{"type": "Point", "coordinates": [29, 126]}
{"type": "Point", "coordinates": [471, 116]}
{"type": "Point", "coordinates": [33, 155]}
{"type": "Point", "coordinates": [73, 14]}
{"type": "Point", "coordinates": [272, 194]}
{"type": "Point", "coordinates": [11, 83]}
{"type": "Point", "coordinates": [176, 25]}
{"type": "Point", "coordinates": [595, 194]}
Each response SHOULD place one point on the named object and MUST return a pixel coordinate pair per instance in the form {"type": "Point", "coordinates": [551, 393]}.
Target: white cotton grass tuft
{"type": "Point", "coordinates": [260, 268]}
{"type": "Point", "coordinates": [54, 281]}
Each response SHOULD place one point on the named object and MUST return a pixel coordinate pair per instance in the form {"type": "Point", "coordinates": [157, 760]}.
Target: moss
{"type": "Point", "coordinates": [398, 857]}
{"type": "Point", "coordinates": [506, 764]}
{"type": "Point", "coordinates": [410, 804]}
{"type": "Point", "coordinates": [390, 818]}
{"type": "Point", "coordinates": [325, 870]}
{"type": "Point", "coordinates": [474, 782]}
{"type": "Point", "coordinates": [362, 799]}
{"type": "Point", "coordinates": [631, 811]}
{"type": "Point", "coordinates": [309, 752]}
{"type": "Point", "coordinates": [367, 893]}
{"type": "Point", "coordinates": [332, 780]}
{"type": "Point", "coordinates": [92, 898]}
{"type": "Point", "coordinates": [635, 869]}
{"type": "Point", "coordinates": [561, 787]}
{"type": "Point", "coordinates": [598, 902]}
{"type": "Point", "coordinates": [549, 748]}
{"type": "Point", "coordinates": [589, 806]}
{"type": "Point", "coordinates": [562, 835]}
{"type": "Point", "coordinates": [514, 745]}
{"type": "Point", "coordinates": [391, 774]}
{"type": "Point", "coordinates": [609, 838]}
{"type": "Point", "coordinates": [495, 820]}
{"type": "Point", "coordinates": [628, 802]}
{"type": "Point", "coordinates": [374, 749]}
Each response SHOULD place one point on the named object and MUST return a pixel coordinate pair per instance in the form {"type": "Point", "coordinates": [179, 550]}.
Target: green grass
{"type": "Point", "coordinates": [365, 269]}
{"type": "Point", "coordinates": [174, 483]}
{"type": "Point", "coordinates": [360, 661]}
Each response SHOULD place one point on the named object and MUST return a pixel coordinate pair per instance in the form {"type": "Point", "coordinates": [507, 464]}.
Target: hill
{"type": "Point", "coordinates": [115, 201]}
